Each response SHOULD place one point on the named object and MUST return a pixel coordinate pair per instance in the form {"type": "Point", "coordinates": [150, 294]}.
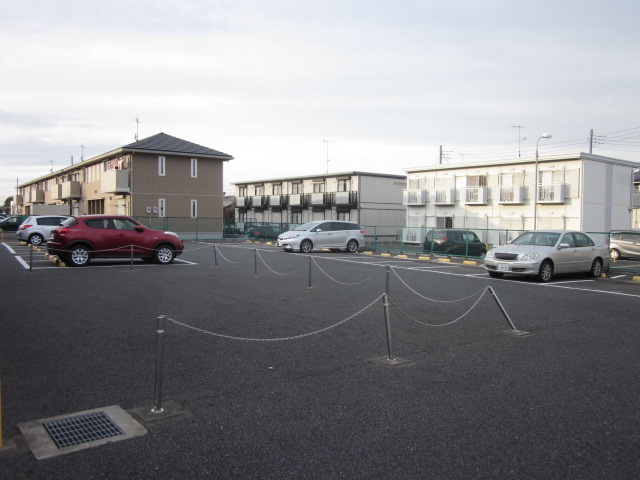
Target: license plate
{"type": "Point", "coordinates": [503, 267]}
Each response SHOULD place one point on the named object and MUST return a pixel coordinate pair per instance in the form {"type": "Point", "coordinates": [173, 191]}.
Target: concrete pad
{"type": "Point", "coordinates": [394, 362]}
{"type": "Point", "coordinates": [43, 446]}
{"type": "Point", "coordinates": [170, 411]}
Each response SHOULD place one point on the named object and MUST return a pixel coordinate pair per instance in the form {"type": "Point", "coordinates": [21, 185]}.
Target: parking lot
{"type": "Point", "coordinates": [278, 362]}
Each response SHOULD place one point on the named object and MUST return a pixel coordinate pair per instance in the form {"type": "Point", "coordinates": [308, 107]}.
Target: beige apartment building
{"type": "Point", "coordinates": [157, 177]}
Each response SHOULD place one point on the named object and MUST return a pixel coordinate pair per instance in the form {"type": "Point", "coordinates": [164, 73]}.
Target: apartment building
{"type": "Point", "coordinates": [370, 199]}
{"type": "Point", "coordinates": [159, 176]}
{"type": "Point", "coordinates": [582, 192]}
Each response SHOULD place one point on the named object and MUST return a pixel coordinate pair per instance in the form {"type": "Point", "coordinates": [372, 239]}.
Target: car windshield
{"type": "Point", "coordinates": [305, 227]}
{"type": "Point", "coordinates": [545, 239]}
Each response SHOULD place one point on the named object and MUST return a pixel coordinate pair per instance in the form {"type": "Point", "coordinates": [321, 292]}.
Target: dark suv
{"type": "Point", "coordinates": [79, 239]}
{"type": "Point", "coordinates": [454, 242]}
{"type": "Point", "coordinates": [264, 232]}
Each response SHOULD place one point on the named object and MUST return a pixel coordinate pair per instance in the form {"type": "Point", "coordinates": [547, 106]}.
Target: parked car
{"type": "Point", "coordinates": [334, 234]}
{"type": "Point", "coordinates": [454, 242]}
{"type": "Point", "coordinates": [11, 224]}
{"type": "Point", "coordinates": [624, 244]}
{"type": "Point", "coordinates": [264, 232]}
{"type": "Point", "coordinates": [36, 229]}
{"type": "Point", "coordinates": [79, 239]}
{"type": "Point", "coordinates": [544, 253]}
{"type": "Point", "coordinates": [232, 232]}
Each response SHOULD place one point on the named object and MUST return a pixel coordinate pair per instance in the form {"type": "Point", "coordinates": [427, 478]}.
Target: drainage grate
{"type": "Point", "coordinates": [81, 429]}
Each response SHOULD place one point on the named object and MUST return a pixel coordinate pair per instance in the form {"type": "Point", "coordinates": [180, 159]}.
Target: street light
{"type": "Point", "coordinates": [535, 184]}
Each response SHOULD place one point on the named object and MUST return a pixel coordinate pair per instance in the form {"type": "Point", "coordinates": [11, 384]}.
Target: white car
{"type": "Point", "coordinates": [331, 234]}
{"type": "Point", "coordinates": [36, 229]}
{"type": "Point", "coordinates": [544, 253]}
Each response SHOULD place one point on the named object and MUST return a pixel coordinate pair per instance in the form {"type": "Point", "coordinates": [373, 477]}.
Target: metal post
{"type": "Point", "coordinates": [215, 254]}
{"type": "Point", "coordinates": [504, 312]}
{"type": "Point", "coordinates": [255, 262]}
{"type": "Point", "coordinates": [310, 257]}
{"type": "Point", "coordinates": [30, 259]}
{"type": "Point", "coordinates": [386, 288]}
{"type": "Point", "coordinates": [157, 403]}
{"type": "Point", "coordinates": [131, 264]}
{"type": "Point", "coordinates": [385, 305]}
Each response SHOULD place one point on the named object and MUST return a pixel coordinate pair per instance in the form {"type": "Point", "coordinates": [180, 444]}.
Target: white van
{"type": "Point", "coordinates": [332, 234]}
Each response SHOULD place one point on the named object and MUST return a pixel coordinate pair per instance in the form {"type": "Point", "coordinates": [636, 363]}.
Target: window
{"type": "Point", "coordinates": [476, 181]}
{"type": "Point", "coordinates": [161, 167]}
{"type": "Point", "coordinates": [161, 207]}
{"type": "Point", "coordinates": [242, 191]}
{"type": "Point", "coordinates": [194, 168]}
{"type": "Point", "coordinates": [276, 189]}
{"type": "Point", "coordinates": [344, 216]}
{"type": "Point", "coordinates": [258, 190]}
{"type": "Point", "coordinates": [296, 217]}
{"type": "Point", "coordinates": [194, 208]}
{"type": "Point", "coordinates": [124, 224]}
{"type": "Point", "coordinates": [318, 187]}
{"type": "Point", "coordinates": [344, 185]}
{"type": "Point", "coordinates": [297, 188]}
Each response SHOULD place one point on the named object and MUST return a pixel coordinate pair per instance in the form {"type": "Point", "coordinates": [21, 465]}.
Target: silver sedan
{"type": "Point", "coordinates": [545, 253]}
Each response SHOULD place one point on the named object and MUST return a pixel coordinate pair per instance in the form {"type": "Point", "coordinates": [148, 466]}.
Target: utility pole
{"type": "Point", "coordinates": [519, 127]}
{"type": "Point", "coordinates": [440, 162]}
{"type": "Point", "coordinates": [591, 141]}
{"type": "Point", "coordinates": [137, 125]}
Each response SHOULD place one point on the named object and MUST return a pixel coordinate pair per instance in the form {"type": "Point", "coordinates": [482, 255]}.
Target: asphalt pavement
{"type": "Point", "coordinates": [278, 380]}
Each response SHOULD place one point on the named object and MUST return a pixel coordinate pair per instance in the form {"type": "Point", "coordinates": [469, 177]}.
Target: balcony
{"type": "Point", "coordinates": [476, 196]}
{"type": "Point", "coordinates": [445, 196]}
{"type": "Point", "coordinates": [297, 200]}
{"type": "Point", "coordinates": [319, 199]}
{"type": "Point", "coordinates": [70, 190]}
{"type": "Point", "coordinates": [18, 199]}
{"type": "Point", "coordinates": [259, 201]}
{"type": "Point", "coordinates": [277, 201]}
{"type": "Point", "coordinates": [115, 181]}
{"type": "Point", "coordinates": [551, 193]}
{"type": "Point", "coordinates": [414, 197]}
{"type": "Point", "coordinates": [512, 195]}
{"type": "Point", "coordinates": [36, 196]}
{"type": "Point", "coordinates": [346, 199]}
{"type": "Point", "coordinates": [56, 192]}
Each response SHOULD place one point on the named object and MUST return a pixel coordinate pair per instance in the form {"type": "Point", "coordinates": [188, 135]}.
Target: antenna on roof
{"type": "Point", "coordinates": [51, 164]}
{"type": "Point", "coordinates": [327, 142]}
{"type": "Point", "coordinates": [137, 125]}
{"type": "Point", "coordinates": [82, 155]}
{"type": "Point", "coordinates": [519, 127]}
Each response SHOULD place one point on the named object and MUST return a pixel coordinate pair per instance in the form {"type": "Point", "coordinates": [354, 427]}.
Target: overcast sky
{"type": "Point", "coordinates": [268, 81]}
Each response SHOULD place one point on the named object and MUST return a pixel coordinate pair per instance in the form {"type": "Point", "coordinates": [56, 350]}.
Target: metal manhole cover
{"type": "Point", "coordinates": [82, 429]}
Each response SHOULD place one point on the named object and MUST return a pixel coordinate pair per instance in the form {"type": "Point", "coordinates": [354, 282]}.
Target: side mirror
{"type": "Point", "coordinates": [318, 230]}
{"type": "Point", "coordinates": [139, 229]}
{"type": "Point", "coordinates": [563, 245]}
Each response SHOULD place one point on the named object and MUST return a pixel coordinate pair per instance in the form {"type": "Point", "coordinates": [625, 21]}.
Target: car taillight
{"type": "Point", "coordinates": [362, 232]}
{"type": "Point", "coordinates": [61, 231]}
{"type": "Point", "coordinates": [445, 239]}
{"type": "Point", "coordinates": [24, 227]}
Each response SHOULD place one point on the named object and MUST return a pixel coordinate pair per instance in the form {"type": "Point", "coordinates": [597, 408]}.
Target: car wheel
{"type": "Point", "coordinates": [614, 254]}
{"type": "Point", "coordinates": [36, 239]}
{"type": "Point", "coordinates": [306, 246]}
{"type": "Point", "coordinates": [496, 274]}
{"type": "Point", "coordinates": [79, 256]}
{"type": "Point", "coordinates": [596, 268]}
{"type": "Point", "coordinates": [545, 272]}
{"type": "Point", "coordinates": [352, 246]}
{"type": "Point", "coordinates": [164, 255]}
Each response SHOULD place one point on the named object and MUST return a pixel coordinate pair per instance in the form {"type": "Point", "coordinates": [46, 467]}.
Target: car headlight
{"type": "Point", "coordinates": [529, 256]}
{"type": "Point", "coordinates": [489, 254]}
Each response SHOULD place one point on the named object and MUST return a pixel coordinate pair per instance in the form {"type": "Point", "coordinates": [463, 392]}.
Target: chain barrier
{"type": "Point", "coordinates": [442, 324]}
{"type": "Point", "coordinates": [268, 267]}
{"type": "Point", "coordinates": [433, 299]}
{"type": "Point", "coordinates": [223, 257]}
{"type": "Point", "coordinates": [281, 339]}
{"type": "Point", "coordinates": [344, 283]}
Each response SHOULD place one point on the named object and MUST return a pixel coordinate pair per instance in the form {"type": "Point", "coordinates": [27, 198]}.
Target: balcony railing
{"type": "Point", "coordinates": [319, 199]}
{"type": "Point", "coordinates": [476, 196]}
{"type": "Point", "coordinates": [36, 196]}
{"type": "Point", "coordinates": [512, 194]}
{"type": "Point", "coordinates": [259, 201]}
{"type": "Point", "coordinates": [346, 198]}
{"type": "Point", "coordinates": [115, 181]}
{"type": "Point", "coordinates": [445, 196]}
{"type": "Point", "coordinates": [551, 193]}
{"type": "Point", "coordinates": [414, 197]}
{"type": "Point", "coordinates": [297, 200]}
{"type": "Point", "coordinates": [277, 201]}
{"type": "Point", "coordinates": [71, 190]}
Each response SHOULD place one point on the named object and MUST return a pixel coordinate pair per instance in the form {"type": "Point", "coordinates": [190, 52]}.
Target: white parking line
{"type": "Point", "coordinates": [13, 252]}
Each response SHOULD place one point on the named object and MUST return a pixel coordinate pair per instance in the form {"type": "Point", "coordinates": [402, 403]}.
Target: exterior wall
{"type": "Point", "coordinates": [149, 187]}
{"type": "Point", "coordinates": [371, 200]}
{"type": "Point", "coordinates": [581, 193]}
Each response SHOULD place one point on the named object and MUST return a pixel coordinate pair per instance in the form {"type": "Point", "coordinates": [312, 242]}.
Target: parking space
{"type": "Point", "coordinates": [273, 356]}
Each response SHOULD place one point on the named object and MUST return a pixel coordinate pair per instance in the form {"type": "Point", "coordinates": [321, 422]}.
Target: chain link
{"type": "Point", "coordinates": [443, 324]}
{"type": "Point", "coordinates": [268, 267]}
{"type": "Point", "coordinates": [281, 339]}
{"type": "Point", "coordinates": [223, 257]}
{"type": "Point", "coordinates": [344, 283]}
{"type": "Point", "coordinates": [433, 299]}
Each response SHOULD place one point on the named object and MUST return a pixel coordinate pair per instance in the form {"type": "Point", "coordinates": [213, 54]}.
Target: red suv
{"type": "Point", "coordinates": [79, 239]}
